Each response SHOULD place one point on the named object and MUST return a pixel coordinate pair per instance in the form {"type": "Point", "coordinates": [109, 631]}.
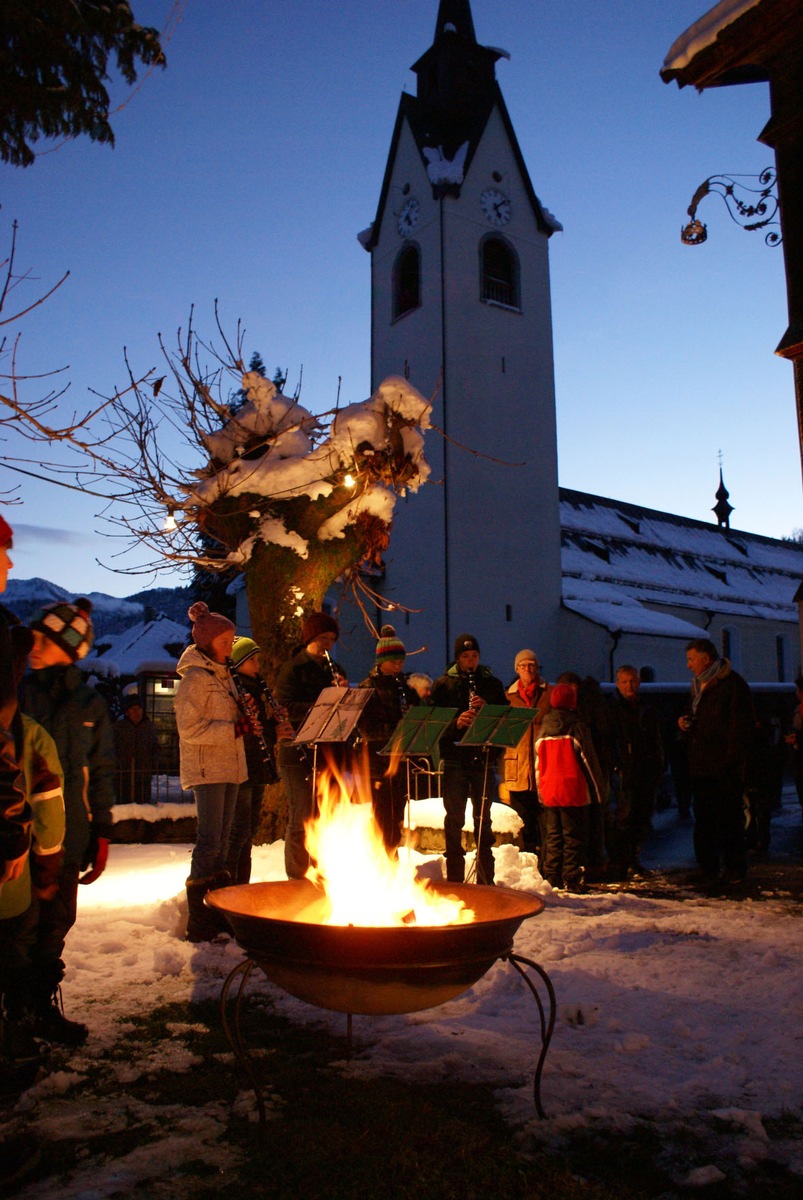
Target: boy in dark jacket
{"type": "Point", "coordinates": [569, 781]}
{"type": "Point", "coordinates": [467, 686]}
{"type": "Point", "coordinates": [76, 717]}
{"type": "Point", "coordinates": [391, 699]}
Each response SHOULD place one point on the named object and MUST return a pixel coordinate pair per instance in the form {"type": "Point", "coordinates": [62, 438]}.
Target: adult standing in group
{"type": "Point", "coordinates": [55, 694]}
{"type": "Point", "coordinates": [637, 756]}
{"type": "Point", "coordinates": [468, 771]}
{"type": "Point", "coordinates": [301, 680]}
{"type": "Point", "coordinates": [794, 739]}
{"type": "Point", "coordinates": [719, 729]}
{"type": "Point", "coordinates": [264, 728]}
{"type": "Point", "coordinates": [391, 699]}
{"type": "Point", "coordinates": [212, 756]}
{"type": "Point", "coordinates": [518, 786]}
{"type": "Point", "coordinates": [136, 750]}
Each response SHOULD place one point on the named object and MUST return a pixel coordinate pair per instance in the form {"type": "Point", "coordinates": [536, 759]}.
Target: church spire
{"type": "Point", "coordinates": [722, 509]}
{"type": "Point", "coordinates": [454, 16]}
{"type": "Point", "coordinates": [457, 86]}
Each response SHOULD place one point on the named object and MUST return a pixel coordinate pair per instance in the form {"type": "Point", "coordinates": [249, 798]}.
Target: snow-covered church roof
{"type": "Point", "coordinates": [619, 560]}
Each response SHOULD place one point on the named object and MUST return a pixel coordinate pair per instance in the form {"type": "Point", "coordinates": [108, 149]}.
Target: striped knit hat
{"type": "Point", "coordinates": [389, 646]}
{"type": "Point", "coordinates": [68, 625]}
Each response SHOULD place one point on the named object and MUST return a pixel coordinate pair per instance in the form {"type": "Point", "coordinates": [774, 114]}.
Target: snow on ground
{"type": "Point", "coordinates": [686, 1013]}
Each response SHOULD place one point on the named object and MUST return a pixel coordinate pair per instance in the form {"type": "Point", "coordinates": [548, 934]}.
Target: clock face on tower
{"type": "Point", "coordinates": [496, 206]}
{"type": "Point", "coordinates": [408, 217]}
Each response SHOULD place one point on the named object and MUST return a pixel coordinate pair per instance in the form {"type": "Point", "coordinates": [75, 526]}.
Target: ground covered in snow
{"type": "Point", "coordinates": [680, 1016]}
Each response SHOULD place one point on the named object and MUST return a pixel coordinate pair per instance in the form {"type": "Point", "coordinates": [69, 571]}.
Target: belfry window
{"type": "Point", "coordinates": [406, 281]}
{"type": "Point", "coordinates": [499, 273]}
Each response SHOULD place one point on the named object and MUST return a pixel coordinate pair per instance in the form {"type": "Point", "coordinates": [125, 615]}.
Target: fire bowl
{"type": "Point", "coordinates": [375, 969]}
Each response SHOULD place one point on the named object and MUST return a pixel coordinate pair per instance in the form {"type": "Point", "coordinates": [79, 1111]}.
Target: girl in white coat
{"type": "Point", "coordinates": [212, 755]}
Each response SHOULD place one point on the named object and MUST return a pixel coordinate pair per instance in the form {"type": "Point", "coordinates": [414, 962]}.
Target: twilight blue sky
{"type": "Point", "coordinates": [245, 170]}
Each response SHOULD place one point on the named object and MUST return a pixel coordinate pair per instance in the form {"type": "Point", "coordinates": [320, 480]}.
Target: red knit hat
{"type": "Point", "coordinates": [564, 695]}
{"type": "Point", "coordinates": [316, 624]}
{"type": "Point", "coordinates": [207, 625]}
{"type": "Point", "coordinates": [6, 534]}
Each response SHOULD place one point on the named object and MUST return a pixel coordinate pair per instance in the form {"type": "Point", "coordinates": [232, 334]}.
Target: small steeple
{"type": "Point", "coordinates": [454, 16]}
{"type": "Point", "coordinates": [722, 509]}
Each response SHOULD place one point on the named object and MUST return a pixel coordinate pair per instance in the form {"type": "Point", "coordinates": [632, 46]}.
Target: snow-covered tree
{"type": "Point", "coordinates": [213, 467]}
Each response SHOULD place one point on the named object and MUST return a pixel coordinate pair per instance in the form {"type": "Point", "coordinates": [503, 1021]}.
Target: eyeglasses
{"type": "Point", "coordinates": [528, 666]}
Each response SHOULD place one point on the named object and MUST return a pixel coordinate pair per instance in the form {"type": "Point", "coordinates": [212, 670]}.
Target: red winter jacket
{"type": "Point", "coordinates": [566, 765]}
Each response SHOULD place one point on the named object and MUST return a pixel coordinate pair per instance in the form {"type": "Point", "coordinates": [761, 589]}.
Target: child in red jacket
{"type": "Point", "coordinates": [569, 780]}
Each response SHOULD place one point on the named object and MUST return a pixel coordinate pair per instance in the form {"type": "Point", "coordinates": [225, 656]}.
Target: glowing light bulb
{"type": "Point", "coordinates": [350, 481]}
{"type": "Point", "coordinates": [170, 524]}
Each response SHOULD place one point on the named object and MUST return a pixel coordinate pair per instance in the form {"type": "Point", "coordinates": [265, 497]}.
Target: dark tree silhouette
{"type": "Point", "coordinates": [54, 63]}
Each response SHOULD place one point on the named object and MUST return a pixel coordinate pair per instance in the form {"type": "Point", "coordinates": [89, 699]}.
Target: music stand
{"type": "Point", "coordinates": [418, 735]}
{"type": "Point", "coordinates": [499, 727]}
{"type": "Point", "coordinates": [333, 718]}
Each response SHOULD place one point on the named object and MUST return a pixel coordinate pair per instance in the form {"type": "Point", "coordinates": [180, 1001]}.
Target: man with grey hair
{"type": "Point", "coordinates": [718, 725]}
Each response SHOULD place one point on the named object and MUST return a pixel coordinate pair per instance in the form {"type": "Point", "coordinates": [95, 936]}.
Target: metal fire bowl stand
{"type": "Point", "coordinates": [373, 970]}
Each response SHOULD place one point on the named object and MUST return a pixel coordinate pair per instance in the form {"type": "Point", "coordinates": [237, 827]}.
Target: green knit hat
{"type": "Point", "coordinates": [242, 649]}
{"type": "Point", "coordinates": [389, 646]}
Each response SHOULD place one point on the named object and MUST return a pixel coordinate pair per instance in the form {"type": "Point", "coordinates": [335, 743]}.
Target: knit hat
{"type": "Point", "coordinates": [465, 642]}
{"type": "Point", "coordinates": [132, 700]}
{"type": "Point", "coordinates": [316, 624]}
{"type": "Point", "coordinates": [6, 534]}
{"type": "Point", "coordinates": [389, 646]}
{"type": "Point", "coordinates": [564, 695]}
{"type": "Point", "coordinates": [243, 649]}
{"type": "Point", "coordinates": [207, 625]}
{"type": "Point", "coordinates": [68, 625]}
{"type": "Point", "coordinates": [525, 656]}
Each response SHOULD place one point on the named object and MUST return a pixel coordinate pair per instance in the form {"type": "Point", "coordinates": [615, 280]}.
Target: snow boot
{"type": "Point", "coordinates": [50, 1023]}
{"type": "Point", "coordinates": [203, 924]}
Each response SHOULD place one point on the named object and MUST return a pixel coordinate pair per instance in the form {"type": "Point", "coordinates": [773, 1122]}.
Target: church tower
{"type": "Point", "coordinates": [461, 306]}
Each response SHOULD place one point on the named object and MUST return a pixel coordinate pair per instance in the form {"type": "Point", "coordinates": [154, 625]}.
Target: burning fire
{"type": "Point", "coordinates": [363, 882]}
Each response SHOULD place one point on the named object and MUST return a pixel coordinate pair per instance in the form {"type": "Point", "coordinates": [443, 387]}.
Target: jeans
{"type": "Point", "coordinates": [216, 804]}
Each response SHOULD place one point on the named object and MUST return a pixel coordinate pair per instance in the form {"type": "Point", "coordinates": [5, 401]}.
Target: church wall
{"type": "Point", "coordinates": [589, 648]}
{"type": "Point", "coordinates": [478, 551]}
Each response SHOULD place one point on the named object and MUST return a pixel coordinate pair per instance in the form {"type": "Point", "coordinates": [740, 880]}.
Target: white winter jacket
{"type": "Point", "coordinates": [206, 713]}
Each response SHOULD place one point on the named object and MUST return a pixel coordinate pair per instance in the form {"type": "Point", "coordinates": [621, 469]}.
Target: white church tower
{"type": "Point", "coordinates": [461, 306]}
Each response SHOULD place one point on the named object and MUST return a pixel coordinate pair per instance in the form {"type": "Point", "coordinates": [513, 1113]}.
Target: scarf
{"type": "Point", "coordinates": [699, 681]}
{"type": "Point", "coordinates": [528, 692]}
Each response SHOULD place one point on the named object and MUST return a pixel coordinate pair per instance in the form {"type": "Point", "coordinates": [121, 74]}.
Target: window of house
{"type": "Point", "coordinates": [732, 647]}
{"type": "Point", "coordinates": [499, 273]}
{"type": "Point", "coordinates": [407, 281]}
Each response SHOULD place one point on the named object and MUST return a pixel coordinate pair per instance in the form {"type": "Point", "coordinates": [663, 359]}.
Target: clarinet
{"type": "Point", "coordinates": [404, 703]}
{"type": "Point", "coordinates": [278, 710]}
{"type": "Point", "coordinates": [335, 673]}
{"type": "Point", "coordinates": [248, 707]}
{"type": "Point", "coordinates": [472, 687]}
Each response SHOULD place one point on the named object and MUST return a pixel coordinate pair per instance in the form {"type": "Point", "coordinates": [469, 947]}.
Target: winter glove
{"type": "Point", "coordinates": [96, 857]}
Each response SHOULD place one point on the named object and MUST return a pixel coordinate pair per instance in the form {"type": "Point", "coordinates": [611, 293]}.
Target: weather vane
{"type": "Point", "coordinates": [737, 196]}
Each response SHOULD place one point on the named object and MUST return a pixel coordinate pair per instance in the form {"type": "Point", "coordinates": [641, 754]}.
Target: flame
{"type": "Point", "coordinates": [365, 883]}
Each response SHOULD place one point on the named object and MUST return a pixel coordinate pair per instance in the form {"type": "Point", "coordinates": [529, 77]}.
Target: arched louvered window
{"type": "Point", "coordinates": [499, 273]}
{"type": "Point", "coordinates": [407, 280]}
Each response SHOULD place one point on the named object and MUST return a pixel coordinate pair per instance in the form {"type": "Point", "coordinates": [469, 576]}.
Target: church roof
{"type": "Point", "coordinates": [622, 564]}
